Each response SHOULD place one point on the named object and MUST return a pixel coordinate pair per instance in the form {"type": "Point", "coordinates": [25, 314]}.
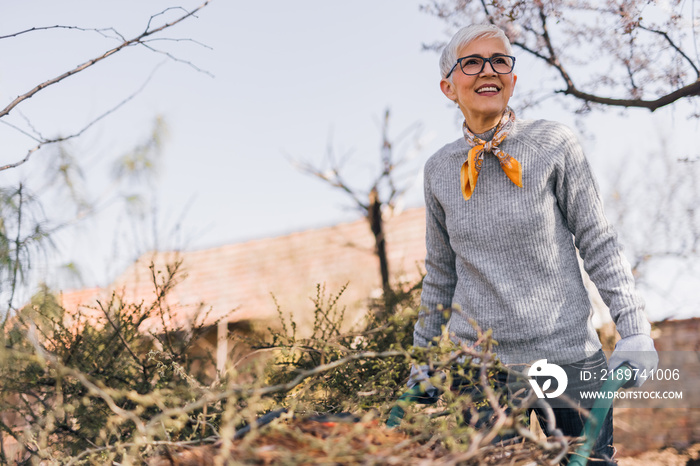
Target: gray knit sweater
{"type": "Point", "coordinates": [506, 257]}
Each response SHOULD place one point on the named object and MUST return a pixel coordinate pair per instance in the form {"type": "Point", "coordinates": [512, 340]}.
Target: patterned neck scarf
{"type": "Point", "coordinates": [471, 168]}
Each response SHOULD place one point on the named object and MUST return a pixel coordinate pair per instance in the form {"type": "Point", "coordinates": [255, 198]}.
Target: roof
{"type": "Point", "coordinates": [236, 280]}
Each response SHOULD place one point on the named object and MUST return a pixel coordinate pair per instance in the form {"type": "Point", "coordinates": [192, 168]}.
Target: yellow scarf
{"type": "Point", "coordinates": [471, 168]}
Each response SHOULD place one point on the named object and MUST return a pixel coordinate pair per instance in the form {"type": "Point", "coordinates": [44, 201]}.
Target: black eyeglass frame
{"type": "Point", "coordinates": [483, 64]}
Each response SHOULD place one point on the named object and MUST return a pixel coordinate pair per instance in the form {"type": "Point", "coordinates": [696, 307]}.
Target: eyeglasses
{"type": "Point", "coordinates": [474, 64]}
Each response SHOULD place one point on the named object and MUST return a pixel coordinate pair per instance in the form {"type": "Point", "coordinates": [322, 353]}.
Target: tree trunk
{"type": "Point", "coordinates": [374, 215]}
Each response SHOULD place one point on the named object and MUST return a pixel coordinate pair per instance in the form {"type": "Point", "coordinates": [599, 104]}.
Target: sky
{"type": "Point", "coordinates": [264, 84]}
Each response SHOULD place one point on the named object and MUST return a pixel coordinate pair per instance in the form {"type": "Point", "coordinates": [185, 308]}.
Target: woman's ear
{"type": "Point", "coordinates": [447, 88]}
{"type": "Point", "coordinates": [514, 79]}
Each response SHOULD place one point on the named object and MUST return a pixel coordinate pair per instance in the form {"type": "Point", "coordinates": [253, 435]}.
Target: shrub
{"type": "Point", "coordinates": [99, 389]}
{"type": "Point", "coordinates": [75, 383]}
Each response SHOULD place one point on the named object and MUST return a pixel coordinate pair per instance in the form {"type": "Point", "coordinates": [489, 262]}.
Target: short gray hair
{"type": "Point", "coordinates": [466, 35]}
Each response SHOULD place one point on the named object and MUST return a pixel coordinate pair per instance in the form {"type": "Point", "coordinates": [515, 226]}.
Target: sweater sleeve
{"type": "Point", "coordinates": [579, 200]}
{"type": "Point", "coordinates": [441, 276]}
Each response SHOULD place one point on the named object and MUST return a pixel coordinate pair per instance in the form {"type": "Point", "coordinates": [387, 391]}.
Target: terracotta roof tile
{"type": "Point", "coordinates": [242, 276]}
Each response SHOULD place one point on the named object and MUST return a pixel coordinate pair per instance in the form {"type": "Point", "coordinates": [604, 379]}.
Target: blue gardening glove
{"type": "Point", "coordinates": [639, 352]}
{"type": "Point", "coordinates": [421, 375]}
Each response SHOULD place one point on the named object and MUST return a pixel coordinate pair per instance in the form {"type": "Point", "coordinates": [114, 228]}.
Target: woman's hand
{"type": "Point", "coordinates": [639, 352]}
{"type": "Point", "coordinates": [421, 375]}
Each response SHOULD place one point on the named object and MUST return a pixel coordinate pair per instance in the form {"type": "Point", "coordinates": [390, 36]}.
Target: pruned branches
{"type": "Point", "coordinates": [97, 390]}
{"type": "Point", "coordinates": [74, 379]}
{"type": "Point", "coordinates": [621, 54]}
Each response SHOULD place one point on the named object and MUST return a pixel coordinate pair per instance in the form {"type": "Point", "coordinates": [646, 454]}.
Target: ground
{"type": "Point", "coordinates": [665, 457]}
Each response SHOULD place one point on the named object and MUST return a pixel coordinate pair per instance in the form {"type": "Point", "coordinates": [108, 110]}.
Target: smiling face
{"type": "Point", "coordinates": [482, 97]}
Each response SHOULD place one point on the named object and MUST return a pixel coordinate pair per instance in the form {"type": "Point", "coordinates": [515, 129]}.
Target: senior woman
{"type": "Point", "coordinates": [507, 205]}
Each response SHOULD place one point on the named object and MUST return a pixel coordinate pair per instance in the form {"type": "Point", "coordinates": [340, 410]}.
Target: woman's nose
{"type": "Point", "coordinates": [488, 68]}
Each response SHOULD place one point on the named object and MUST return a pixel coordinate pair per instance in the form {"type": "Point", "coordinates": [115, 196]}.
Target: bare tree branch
{"type": "Point", "coordinates": [128, 43]}
{"type": "Point", "coordinates": [331, 176]}
{"type": "Point", "coordinates": [528, 26]}
{"type": "Point", "coordinates": [382, 194]}
{"type": "Point", "coordinates": [691, 90]}
{"type": "Point", "coordinates": [60, 139]}
{"type": "Point", "coordinates": [172, 39]}
{"type": "Point", "coordinates": [46, 28]}
{"type": "Point", "coordinates": [672, 44]}
{"type": "Point", "coordinates": [35, 137]}
{"type": "Point", "coordinates": [178, 60]}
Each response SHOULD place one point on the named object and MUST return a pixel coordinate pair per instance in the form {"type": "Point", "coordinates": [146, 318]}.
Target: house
{"type": "Point", "coordinates": [238, 281]}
